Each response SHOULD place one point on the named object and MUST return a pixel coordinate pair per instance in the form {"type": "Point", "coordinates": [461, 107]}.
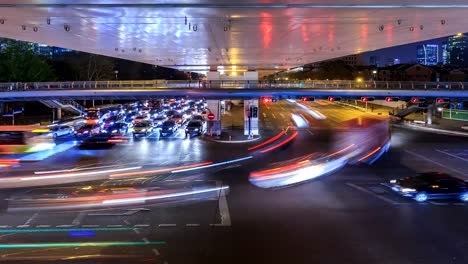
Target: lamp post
{"type": "Point", "coordinates": [116, 74]}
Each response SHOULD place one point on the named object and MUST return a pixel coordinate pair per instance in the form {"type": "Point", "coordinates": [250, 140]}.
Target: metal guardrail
{"type": "Point", "coordinates": [160, 84]}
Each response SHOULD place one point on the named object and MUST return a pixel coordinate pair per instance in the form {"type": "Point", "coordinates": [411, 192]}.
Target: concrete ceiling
{"type": "Point", "coordinates": [261, 34]}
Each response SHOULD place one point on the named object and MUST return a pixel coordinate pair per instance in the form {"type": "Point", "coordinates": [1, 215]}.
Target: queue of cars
{"type": "Point", "coordinates": [143, 119]}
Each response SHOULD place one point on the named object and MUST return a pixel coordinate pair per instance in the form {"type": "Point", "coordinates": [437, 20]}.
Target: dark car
{"type": "Point", "coordinates": [431, 185]}
{"type": "Point", "coordinates": [97, 141]}
{"type": "Point", "coordinates": [117, 129]}
{"type": "Point", "coordinates": [195, 128]}
{"type": "Point", "coordinates": [168, 128]}
{"type": "Point", "coordinates": [198, 118]}
{"type": "Point", "coordinates": [87, 130]}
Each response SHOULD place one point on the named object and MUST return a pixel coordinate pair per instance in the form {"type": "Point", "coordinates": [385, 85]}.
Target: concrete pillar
{"type": "Point", "coordinates": [430, 110]}
{"type": "Point", "coordinates": [58, 116]}
{"type": "Point", "coordinates": [251, 114]}
{"type": "Point", "coordinates": [214, 126]}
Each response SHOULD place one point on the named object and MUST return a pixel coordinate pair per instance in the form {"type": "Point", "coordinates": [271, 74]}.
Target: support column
{"type": "Point", "coordinates": [59, 113]}
{"type": "Point", "coordinates": [251, 113]}
{"type": "Point", "coordinates": [214, 126]}
{"type": "Point", "coordinates": [430, 110]}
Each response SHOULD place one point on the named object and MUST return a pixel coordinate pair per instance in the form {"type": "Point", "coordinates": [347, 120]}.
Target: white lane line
{"type": "Point", "coordinates": [90, 225]}
{"type": "Point", "coordinates": [114, 225]}
{"type": "Point", "coordinates": [451, 155]}
{"type": "Point", "coordinates": [43, 226]}
{"type": "Point", "coordinates": [192, 225]}
{"type": "Point", "coordinates": [63, 226]}
{"type": "Point", "coordinates": [31, 219]}
{"type": "Point", "coordinates": [437, 203]}
{"type": "Point", "coordinates": [264, 115]}
{"type": "Point", "coordinates": [4, 226]}
{"type": "Point", "coordinates": [310, 132]}
{"type": "Point", "coordinates": [273, 116]}
{"type": "Point", "coordinates": [145, 240]}
{"type": "Point", "coordinates": [435, 162]}
{"type": "Point", "coordinates": [167, 225]}
{"type": "Point", "coordinates": [22, 226]}
{"type": "Point", "coordinates": [136, 231]}
{"type": "Point", "coordinates": [156, 252]}
{"type": "Point", "coordinates": [281, 114]}
{"type": "Point", "coordinates": [126, 222]}
{"type": "Point", "coordinates": [372, 193]}
{"type": "Point", "coordinates": [223, 206]}
{"type": "Point", "coordinates": [141, 225]}
{"type": "Point", "coordinates": [79, 218]}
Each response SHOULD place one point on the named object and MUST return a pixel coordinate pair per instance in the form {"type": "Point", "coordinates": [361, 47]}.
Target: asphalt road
{"type": "Point", "coordinates": [346, 217]}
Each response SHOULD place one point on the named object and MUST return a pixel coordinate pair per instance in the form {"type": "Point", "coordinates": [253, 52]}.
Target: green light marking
{"type": "Point", "coordinates": [86, 244]}
{"type": "Point", "coordinates": [38, 230]}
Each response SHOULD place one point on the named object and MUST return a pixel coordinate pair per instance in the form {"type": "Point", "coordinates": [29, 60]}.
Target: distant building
{"type": "Point", "coordinates": [457, 50]}
{"type": "Point", "coordinates": [444, 54]}
{"type": "Point", "coordinates": [352, 60]}
{"type": "Point", "coordinates": [375, 60]}
{"type": "Point", "coordinates": [49, 51]}
{"type": "Point", "coordinates": [427, 54]}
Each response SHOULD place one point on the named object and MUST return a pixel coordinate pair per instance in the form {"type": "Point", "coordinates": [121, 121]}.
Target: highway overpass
{"type": "Point", "coordinates": [220, 90]}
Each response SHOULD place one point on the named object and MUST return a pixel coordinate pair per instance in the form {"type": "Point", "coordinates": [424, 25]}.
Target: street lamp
{"type": "Point", "coordinates": [116, 74]}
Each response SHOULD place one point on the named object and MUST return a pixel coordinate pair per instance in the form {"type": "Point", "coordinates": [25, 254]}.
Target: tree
{"type": "Point", "coordinates": [91, 67]}
{"type": "Point", "coordinates": [19, 63]}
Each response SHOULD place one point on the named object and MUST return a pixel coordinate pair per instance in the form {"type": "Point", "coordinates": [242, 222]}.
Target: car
{"type": "Point", "coordinates": [179, 119]}
{"type": "Point", "coordinates": [88, 130]}
{"type": "Point", "coordinates": [59, 131]}
{"type": "Point", "coordinates": [168, 128]}
{"type": "Point", "coordinates": [204, 113]}
{"type": "Point", "coordinates": [117, 129]}
{"type": "Point", "coordinates": [431, 185]}
{"type": "Point", "coordinates": [198, 118]}
{"type": "Point", "coordinates": [97, 141]}
{"type": "Point", "coordinates": [141, 118]}
{"type": "Point", "coordinates": [145, 110]}
{"type": "Point", "coordinates": [142, 128]}
{"type": "Point", "coordinates": [171, 113]}
{"type": "Point", "coordinates": [195, 128]}
{"type": "Point", "coordinates": [111, 120]}
{"type": "Point", "coordinates": [158, 121]}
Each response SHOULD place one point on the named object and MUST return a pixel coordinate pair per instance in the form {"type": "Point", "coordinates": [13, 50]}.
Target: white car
{"type": "Point", "coordinates": [59, 131]}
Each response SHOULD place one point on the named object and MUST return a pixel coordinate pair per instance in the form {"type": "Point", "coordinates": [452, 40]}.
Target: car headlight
{"type": "Point", "coordinates": [114, 131]}
{"type": "Point", "coordinates": [104, 131]}
{"type": "Point", "coordinates": [196, 129]}
{"type": "Point", "coordinates": [143, 130]}
{"type": "Point", "coordinates": [393, 181]}
{"type": "Point", "coordinates": [407, 190]}
{"type": "Point", "coordinates": [86, 132]}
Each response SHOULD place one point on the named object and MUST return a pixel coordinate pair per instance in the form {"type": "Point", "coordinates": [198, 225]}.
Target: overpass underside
{"type": "Point", "coordinates": [194, 35]}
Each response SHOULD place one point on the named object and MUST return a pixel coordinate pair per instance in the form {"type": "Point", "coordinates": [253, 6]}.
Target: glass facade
{"type": "Point", "coordinates": [427, 54]}
{"type": "Point", "coordinates": [457, 53]}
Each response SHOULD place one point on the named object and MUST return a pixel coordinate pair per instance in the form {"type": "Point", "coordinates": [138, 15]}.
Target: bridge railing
{"type": "Point", "coordinates": [193, 84]}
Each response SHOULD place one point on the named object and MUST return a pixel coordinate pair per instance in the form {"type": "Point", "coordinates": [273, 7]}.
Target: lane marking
{"type": "Point", "coordinates": [156, 252]}
{"type": "Point", "coordinates": [43, 226]}
{"type": "Point", "coordinates": [451, 155]}
{"type": "Point", "coordinates": [114, 225]}
{"type": "Point", "coordinates": [273, 116]}
{"type": "Point", "coordinates": [4, 226]}
{"type": "Point", "coordinates": [31, 219]}
{"type": "Point", "coordinates": [281, 114]}
{"type": "Point", "coordinates": [390, 201]}
{"type": "Point", "coordinates": [145, 240]}
{"type": "Point", "coordinates": [141, 225]}
{"type": "Point", "coordinates": [437, 203]}
{"type": "Point", "coordinates": [310, 132]}
{"type": "Point", "coordinates": [64, 226]}
{"type": "Point", "coordinates": [264, 115]}
{"type": "Point", "coordinates": [167, 225]}
{"type": "Point", "coordinates": [22, 226]}
{"type": "Point", "coordinates": [136, 231]}
{"type": "Point", "coordinates": [192, 225]}
{"type": "Point", "coordinates": [435, 162]}
{"type": "Point", "coordinates": [223, 206]}
{"type": "Point", "coordinates": [90, 225]}
{"type": "Point", "coordinates": [127, 222]}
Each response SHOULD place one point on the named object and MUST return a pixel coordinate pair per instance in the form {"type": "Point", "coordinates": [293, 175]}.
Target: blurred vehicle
{"type": "Point", "coordinates": [23, 139]}
{"type": "Point", "coordinates": [195, 128]}
{"type": "Point", "coordinates": [179, 109]}
{"type": "Point", "coordinates": [168, 128]}
{"type": "Point", "coordinates": [179, 119]}
{"type": "Point", "coordinates": [198, 118]}
{"type": "Point", "coordinates": [204, 113]}
{"type": "Point", "coordinates": [59, 131]}
{"type": "Point", "coordinates": [87, 130]}
{"type": "Point", "coordinates": [158, 121]}
{"type": "Point", "coordinates": [129, 118]}
{"type": "Point", "coordinates": [431, 185]}
{"type": "Point", "coordinates": [141, 118]}
{"type": "Point", "coordinates": [111, 120]}
{"type": "Point", "coordinates": [97, 141]}
{"type": "Point", "coordinates": [142, 128]}
{"type": "Point", "coordinates": [187, 114]}
{"type": "Point", "coordinates": [170, 113]}
{"type": "Point", "coordinates": [92, 115]}
{"type": "Point", "coordinates": [117, 129]}
{"type": "Point", "coordinates": [145, 110]}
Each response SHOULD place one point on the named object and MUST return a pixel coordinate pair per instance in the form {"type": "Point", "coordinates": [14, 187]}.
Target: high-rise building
{"type": "Point", "coordinates": [457, 50]}
{"type": "Point", "coordinates": [444, 53]}
{"type": "Point", "coordinates": [427, 54]}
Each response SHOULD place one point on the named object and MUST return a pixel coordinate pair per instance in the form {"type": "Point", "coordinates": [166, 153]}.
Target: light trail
{"type": "Point", "coordinates": [67, 175]}
{"type": "Point", "coordinates": [281, 143]}
{"type": "Point", "coordinates": [266, 142]}
{"type": "Point", "coordinates": [370, 154]}
{"type": "Point", "coordinates": [213, 165]}
{"type": "Point", "coordinates": [80, 244]}
{"type": "Point", "coordinates": [46, 230]}
{"type": "Point", "coordinates": [160, 170]}
{"type": "Point", "coordinates": [73, 170]}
